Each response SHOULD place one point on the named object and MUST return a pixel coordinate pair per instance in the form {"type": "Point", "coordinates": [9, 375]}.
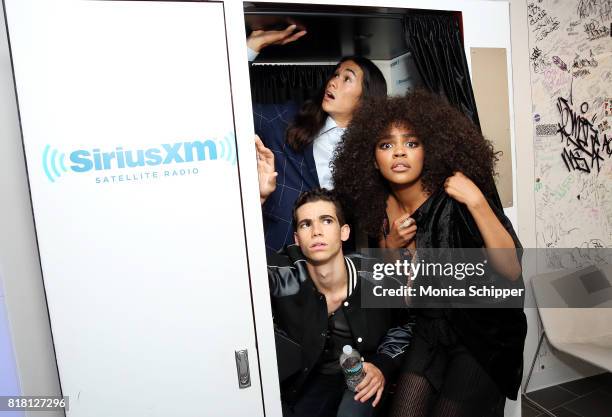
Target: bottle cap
{"type": "Point", "coordinates": [347, 349]}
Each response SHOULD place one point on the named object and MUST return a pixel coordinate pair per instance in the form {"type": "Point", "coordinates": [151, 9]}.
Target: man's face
{"type": "Point", "coordinates": [319, 233]}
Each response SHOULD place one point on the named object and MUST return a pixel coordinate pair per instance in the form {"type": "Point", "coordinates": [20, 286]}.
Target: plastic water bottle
{"type": "Point", "coordinates": [350, 362]}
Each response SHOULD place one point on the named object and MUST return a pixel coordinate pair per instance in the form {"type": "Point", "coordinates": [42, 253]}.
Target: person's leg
{"type": "Point", "coordinates": [351, 408]}
{"type": "Point", "coordinates": [468, 391]}
{"type": "Point", "coordinates": [486, 407]}
{"type": "Point", "coordinates": [320, 397]}
{"type": "Point", "coordinates": [413, 396]}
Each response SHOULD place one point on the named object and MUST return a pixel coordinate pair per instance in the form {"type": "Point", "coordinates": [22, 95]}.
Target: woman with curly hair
{"type": "Point", "coordinates": [415, 172]}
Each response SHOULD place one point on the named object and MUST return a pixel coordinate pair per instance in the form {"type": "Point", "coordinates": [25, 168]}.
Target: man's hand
{"type": "Point", "coordinates": [401, 233]}
{"type": "Point", "coordinates": [259, 39]}
{"type": "Point", "coordinates": [463, 189]}
{"type": "Point", "coordinates": [265, 170]}
{"type": "Point", "coordinates": [373, 383]}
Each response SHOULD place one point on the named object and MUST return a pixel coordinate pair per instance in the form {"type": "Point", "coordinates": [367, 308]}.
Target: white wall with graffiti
{"type": "Point", "coordinates": [567, 202]}
{"type": "Point", "coordinates": [570, 48]}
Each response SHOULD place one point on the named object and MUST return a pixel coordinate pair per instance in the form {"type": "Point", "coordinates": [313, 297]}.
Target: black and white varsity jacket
{"type": "Point", "coordinates": [381, 335]}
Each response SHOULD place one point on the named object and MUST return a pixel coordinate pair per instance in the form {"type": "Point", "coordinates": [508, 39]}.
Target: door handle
{"type": "Point", "coordinates": [242, 366]}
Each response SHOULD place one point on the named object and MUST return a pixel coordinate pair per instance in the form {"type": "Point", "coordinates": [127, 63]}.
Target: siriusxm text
{"type": "Point", "coordinates": [181, 152]}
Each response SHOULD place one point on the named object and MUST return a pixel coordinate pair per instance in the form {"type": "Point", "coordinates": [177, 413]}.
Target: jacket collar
{"type": "Point", "coordinates": [297, 257]}
{"type": "Point", "coordinates": [353, 278]}
{"type": "Point", "coordinates": [351, 273]}
{"type": "Point", "coordinates": [313, 181]}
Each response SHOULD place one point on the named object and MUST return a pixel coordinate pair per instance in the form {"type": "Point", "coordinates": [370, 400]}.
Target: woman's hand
{"type": "Point", "coordinates": [259, 39]}
{"type": "Point", "coordinates": [265, 170]}
{"type": "Point", "coordinates": [496, 238]}
{"type": "Point", "coordinates": [401, 233]}
{"type": "Point", "coordinates": [463, 189]}
{"type": "Point", "coordinates": [373, 383]}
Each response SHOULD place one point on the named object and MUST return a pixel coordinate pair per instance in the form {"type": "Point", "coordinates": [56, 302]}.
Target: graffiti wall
{"type": "Point", "coordinates": [570, 48]}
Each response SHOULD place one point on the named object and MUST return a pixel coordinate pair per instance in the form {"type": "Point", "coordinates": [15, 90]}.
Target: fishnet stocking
{"type": "Point", "coordinates": [413, 397]}
{"type": "Point", "coordinates": [445, 407]}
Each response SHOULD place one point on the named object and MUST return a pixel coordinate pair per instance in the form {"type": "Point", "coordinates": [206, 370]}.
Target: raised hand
{"type": "Point", "coordinates": [265, 170]}
{"type": "Point", "coordinates": [259, 39]}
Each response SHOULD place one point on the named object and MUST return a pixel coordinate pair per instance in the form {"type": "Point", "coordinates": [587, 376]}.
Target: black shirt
{"type": "Point", "coordinates": [338, 335]}
{"type": "Point", "coordinates": [495, 337]}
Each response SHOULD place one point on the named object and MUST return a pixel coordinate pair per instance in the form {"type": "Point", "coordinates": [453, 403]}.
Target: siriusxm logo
{"type": "Point", "coordinates": [87, 160]}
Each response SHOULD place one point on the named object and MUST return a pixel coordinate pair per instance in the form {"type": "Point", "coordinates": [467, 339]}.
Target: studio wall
{"type": "Point", "coordinates": [566, 199]}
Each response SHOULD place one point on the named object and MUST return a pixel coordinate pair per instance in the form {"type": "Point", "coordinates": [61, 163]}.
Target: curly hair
{"type": "Point", "coordinates": [451, 143]}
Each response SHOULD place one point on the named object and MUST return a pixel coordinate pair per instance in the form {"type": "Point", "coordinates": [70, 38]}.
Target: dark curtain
{"type": "Point", "coordinates": [435, 42]}
{"type": "Point", "coordinates": [277, 84]}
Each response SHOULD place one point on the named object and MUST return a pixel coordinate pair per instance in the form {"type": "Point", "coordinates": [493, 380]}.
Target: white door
{"type": "Point", "coordinates": [128, 129]}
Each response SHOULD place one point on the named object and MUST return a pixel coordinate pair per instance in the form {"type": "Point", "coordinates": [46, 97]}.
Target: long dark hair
{"type": "Point", "coordinates": [311, 117]}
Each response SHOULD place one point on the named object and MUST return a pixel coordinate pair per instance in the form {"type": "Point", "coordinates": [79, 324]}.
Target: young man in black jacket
{"type": "Point", "coordinates": [316, 299]}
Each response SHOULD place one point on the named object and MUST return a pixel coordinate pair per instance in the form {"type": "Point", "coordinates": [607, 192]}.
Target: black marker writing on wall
{"type": "Point", "coordinates": [595, 8]}
{"type": "Point", "coordinates": [581, 62]}
{"type": "Point", "coordinates": [584, 150]}
{"type": "Point", "coordinates": [587, 8]}
{"type": "Point", "coordinates": [595, 30]}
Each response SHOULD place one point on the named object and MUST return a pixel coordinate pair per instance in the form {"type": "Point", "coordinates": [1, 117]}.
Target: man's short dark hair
{"type": "Point", "coordinates": [318, 194]}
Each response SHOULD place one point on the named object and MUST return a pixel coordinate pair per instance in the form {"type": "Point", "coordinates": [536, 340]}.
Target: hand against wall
{"type": "Point", "coordinates": [265, 170]}
{"type": "Point", "coordinates": [259, 39]}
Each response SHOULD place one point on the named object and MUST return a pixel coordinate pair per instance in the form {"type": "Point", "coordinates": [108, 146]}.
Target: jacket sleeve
{"type": "Point", "coordinates": [261, 123]}
{"type": "Point", "coordinates": [392, 351]}
{"type": "Point", "coordinates": [283, 277]}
